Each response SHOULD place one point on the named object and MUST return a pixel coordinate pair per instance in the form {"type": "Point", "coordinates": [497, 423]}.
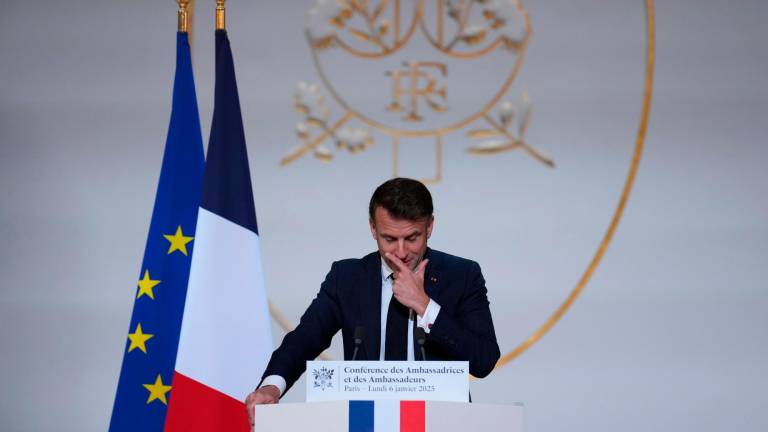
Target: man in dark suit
{"type": "Point", "coordinates": [388, 293]}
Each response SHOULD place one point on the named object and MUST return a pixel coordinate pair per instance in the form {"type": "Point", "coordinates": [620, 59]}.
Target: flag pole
{"type": "Point", "coordinates": [184, 15]}
{"type": "Point", "coordinates": [220, 15]}
{"type": "Point", "coordinates": [186, 18]}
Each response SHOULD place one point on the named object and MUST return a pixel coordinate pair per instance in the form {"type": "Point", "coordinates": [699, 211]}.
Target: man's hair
{"type": "Point", "coordinates": [403, 198]}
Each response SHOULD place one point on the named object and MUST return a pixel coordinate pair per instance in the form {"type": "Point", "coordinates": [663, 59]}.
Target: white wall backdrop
{"type": "Point", "coordinates": [670, 334]}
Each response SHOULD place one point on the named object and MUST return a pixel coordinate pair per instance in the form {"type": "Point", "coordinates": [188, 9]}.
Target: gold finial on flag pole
{"type": "Point", "coordinates": [220, 15]}
{"type": "Point", "coordinates": [183, 16]}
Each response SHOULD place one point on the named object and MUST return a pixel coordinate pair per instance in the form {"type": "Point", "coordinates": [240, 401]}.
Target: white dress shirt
{"type": "Point", "coordinates": [425, 322]}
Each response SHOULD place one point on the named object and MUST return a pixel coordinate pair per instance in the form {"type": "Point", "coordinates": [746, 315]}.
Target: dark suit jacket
{"type": "Point", "coordinates": [350, 296]}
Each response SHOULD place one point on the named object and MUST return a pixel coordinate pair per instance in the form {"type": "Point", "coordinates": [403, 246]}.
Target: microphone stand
{"type": "Point", "coordinates": [359, 336]}
{"type": "Point", "coordinates": [421, 337]}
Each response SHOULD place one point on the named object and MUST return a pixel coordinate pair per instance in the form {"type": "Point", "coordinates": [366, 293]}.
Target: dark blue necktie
{"type": "Point", "coordinates": [396, 343]}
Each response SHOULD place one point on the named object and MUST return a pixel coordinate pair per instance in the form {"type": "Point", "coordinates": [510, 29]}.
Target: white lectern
{"type": "Point", "coordinates": [388, 416]}
{"type": "Point", "coordinates": [340, 391]}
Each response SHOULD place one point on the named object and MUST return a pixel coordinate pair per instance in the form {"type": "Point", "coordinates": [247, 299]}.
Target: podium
{"type": "Point", "coordinates": [388, 416]}
{"type": "Point", "coordinates": [339, 397]}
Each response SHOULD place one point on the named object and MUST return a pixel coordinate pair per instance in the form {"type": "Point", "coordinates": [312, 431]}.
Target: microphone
{"type": "Point", "coordinates": [359, 337]}
{"type": "Point", "coordinates": [421, 337]}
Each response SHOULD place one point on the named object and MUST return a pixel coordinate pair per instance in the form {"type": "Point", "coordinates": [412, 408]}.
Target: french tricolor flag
{"type": "Point", "coordinates": [387, 416]}
{"type": "Point", "coordinates": [225, 339]}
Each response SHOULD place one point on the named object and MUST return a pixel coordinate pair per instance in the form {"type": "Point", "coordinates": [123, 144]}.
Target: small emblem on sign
{"type": "Point", "coordinates": [323, 378]}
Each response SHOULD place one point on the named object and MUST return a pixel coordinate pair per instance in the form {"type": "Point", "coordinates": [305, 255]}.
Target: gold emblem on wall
{"type": "Point", "coordinates": [364, 52]}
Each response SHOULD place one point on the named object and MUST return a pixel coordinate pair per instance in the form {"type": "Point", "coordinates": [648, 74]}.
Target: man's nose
{"type": "Point", "coordinates": [401, 252]}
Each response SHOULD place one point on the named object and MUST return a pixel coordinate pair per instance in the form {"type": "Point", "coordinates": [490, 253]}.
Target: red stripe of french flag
{"type": "Point", "coordinates": [197, 407]}
{"type": "Point", "coordinates": [412, 416]}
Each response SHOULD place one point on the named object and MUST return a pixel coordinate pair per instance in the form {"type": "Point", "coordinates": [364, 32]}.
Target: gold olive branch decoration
{"type": "Point", "coordinates": [499, 138]}
{"type": "Point", "coordinates": [311, 104]}
{"type": "Point", "coordinates": [375, 31]}
{"type": "Point", "coordinates": [476, 34]}
{"type": "Point", "coordinates": [348, 9]}
{"type": "Point", "coordinates": [460, 13]}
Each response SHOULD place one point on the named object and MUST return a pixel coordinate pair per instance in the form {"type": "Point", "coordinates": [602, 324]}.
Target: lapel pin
{"type": "Point", "coordinates": [433, 279]}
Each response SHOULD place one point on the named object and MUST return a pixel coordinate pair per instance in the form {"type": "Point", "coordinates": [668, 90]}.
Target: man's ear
{"type": "Point", "coordinates": [373, 228]}
{"type": "Point", "coordinates": [430, 224]}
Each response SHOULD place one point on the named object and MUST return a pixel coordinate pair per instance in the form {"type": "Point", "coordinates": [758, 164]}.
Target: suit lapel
{"type": "Point", "coordinates": [371, 310]}
{"type": "Point", "coordinates": [432, 275]}
{"type": "Point", "coordinates": [431, 288]}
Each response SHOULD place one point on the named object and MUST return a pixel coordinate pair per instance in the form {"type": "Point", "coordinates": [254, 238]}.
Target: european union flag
{"type": "Point", "coordinates": [144, 387]}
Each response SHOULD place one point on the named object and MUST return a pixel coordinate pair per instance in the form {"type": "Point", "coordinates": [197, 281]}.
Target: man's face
{"type": "Point", "coordinates": [405, 239]}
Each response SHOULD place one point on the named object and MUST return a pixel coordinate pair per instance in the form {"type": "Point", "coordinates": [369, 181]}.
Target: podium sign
{"type": "Point", "coordinates": [388, 380]}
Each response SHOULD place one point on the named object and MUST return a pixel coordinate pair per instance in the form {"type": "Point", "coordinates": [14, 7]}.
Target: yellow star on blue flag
{"type": "Point", "coordinates": [178, 241]}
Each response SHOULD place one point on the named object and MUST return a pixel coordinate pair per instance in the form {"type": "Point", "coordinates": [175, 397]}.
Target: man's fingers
{"type": "Point", "coordinates": [397, 262]}
{"type": "Point", "coordinates": [249, 404]}
{"type": "Point", "coordinates": [262, 396]}
{"type": "Point", "coordinates": [422, 266]}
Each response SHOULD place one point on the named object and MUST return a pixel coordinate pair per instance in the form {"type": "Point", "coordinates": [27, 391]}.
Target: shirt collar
{"type": "Point", "coordinates": [385, 270]}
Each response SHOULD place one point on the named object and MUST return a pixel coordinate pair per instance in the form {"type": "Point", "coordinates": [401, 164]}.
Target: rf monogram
{"type": "Point", "coordinates": [417, 80]}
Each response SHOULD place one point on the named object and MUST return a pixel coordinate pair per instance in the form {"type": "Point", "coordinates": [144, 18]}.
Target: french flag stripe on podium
{"type": "Point", "coordinates": [387, 416]}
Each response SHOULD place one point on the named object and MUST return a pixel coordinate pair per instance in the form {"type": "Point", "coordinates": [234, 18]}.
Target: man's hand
{"type": "Point", "coordinates": [266, 395]}
{"type": "Point", "coordinates": [408, 287]}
